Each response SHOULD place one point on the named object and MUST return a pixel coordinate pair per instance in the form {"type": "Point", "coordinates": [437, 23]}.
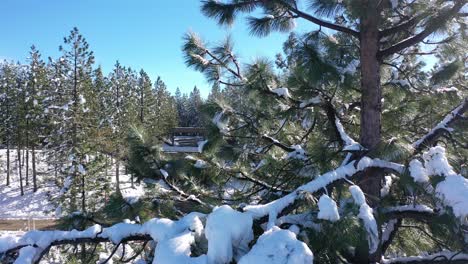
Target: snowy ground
{"type": "Point", "coordinates": [30, 205]}
{"type": "Point", "coordinates": [39, 205]}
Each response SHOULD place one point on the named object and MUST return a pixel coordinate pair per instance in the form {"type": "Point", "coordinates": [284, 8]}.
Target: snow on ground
{"type": "Point", "coordinates": [38, 205]}
{"type": "Point", "coordinates": [30, 205]}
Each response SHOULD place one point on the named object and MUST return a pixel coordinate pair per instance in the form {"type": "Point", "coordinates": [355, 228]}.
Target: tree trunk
{"type": "Point", "coordinates": [27, 163]}
{"type": "Point", "coordinates": [371, 109]}
{"type": "Point", "coordinates": [371, 97]}
{"type": "Point", "coordinates": [107, 167]}
{"type": "Point", "coordinates": [83, 193]}
{"type": "Point", "coordinates": [8, 163]}
{"type": "Point", "coordinates": [117, 176]}
{"type": "Point", "coordinates": [19, 169]}
{"type": "Point", "coordinates": [33, 157]}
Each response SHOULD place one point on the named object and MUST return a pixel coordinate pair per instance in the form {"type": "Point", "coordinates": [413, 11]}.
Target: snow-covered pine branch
{"type": "Point", "coordinates": [348, 143]}
{"type": "Point", "coordinates": [442, 127]}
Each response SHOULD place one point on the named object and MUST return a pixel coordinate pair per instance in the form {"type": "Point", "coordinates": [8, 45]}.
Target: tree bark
{"type": "Point", "coordinates": [371, 97]}
{"type": "Point", "coordinates": [117, 175]}
{"type": "Point", "coordinates": [8, 162]}
{"type": "Point", "coordinates": [27, 163]}
{"type": "Point", "coordinates": [371, 107]}
{"type": "Point", "coordinates": [19, 168]}
{"type": "Point", "coordinates": [33, 157]}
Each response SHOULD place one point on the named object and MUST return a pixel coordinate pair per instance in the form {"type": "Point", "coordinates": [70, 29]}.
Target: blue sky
{"type": "Point", "coordinates": [139, 33]}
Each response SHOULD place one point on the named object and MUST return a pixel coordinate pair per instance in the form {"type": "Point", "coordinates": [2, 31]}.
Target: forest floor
{"type": "Point", "coordinates": [37, 210]}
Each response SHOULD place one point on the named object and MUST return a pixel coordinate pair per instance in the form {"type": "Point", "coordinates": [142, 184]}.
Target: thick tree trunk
{"type": "Point", "coordinates": [371, 97]}
{"type": "Point", "coordinates": [33, 157]}
{"type": "Point", "coordinates": [371, 109]}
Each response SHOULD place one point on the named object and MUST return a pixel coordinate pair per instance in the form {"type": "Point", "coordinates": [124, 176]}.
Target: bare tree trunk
{"type": "Point", "coordinates": [19, 169]}
{"type": "Point", "coordinates": [83, 193]}
{"type": "Point", "coordinates": [8, 163]}
{"type": "Point", "coordinates": [27, 163]}
{"type": "Point", "coordinates": [107, 166]}
{"type": "Point", "coordinates": [117, 176]}
{"type": "Point", "coordinates": [33, 156]}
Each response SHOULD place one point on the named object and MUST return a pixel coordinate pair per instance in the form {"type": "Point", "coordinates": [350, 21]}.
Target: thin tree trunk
{"type": "Point", "coordinates": [33, 156]}
{"type": "Point", "coordinates": [107, 167]}
{"type": "Point", "coordinates": [19, 169]}
{"type": "Point", "coordinates": [83, 194]}
{"type": "Point", "coordinates": [27, 163]}
{"type": "Point", "coordinates": [117, 176]}
{"type": "Point", "coordinates": [8, 163]}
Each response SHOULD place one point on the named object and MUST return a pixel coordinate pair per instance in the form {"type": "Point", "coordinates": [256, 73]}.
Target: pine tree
{"type": "Point", "coordinates": [165, 110]}
{"type": "Point", "coordinates": [35, 116]}
{"type": "Point", "coordinates": [146, 99]}
{"type": "Point", "coordinates": [7, 106]}
{"type": "Point", "coordinates": [378, 28]}
{"type": "Point", "coordinates": [193, 108]}
{"type": "Point", "coordinates": [74, 70]}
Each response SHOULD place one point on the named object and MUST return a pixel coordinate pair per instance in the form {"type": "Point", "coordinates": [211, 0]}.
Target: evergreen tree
{"type": "Point", "coordinates": [73, 85]}
{"type": "Point", "coordinates": [7, 110]}
{"type": "Point", "coordinates": [165, 110]}
{"type": "Point", "coordinates": [35, 116]}
{"type": "Point", "coordinates": [193, 108]}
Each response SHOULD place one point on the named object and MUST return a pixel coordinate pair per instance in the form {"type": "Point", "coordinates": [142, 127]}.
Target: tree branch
{"type": "Point", "coordinates": [320, 22]}
{"type": "Point", "coordinates": [442, 127]}
{"type": "Point", "coordinates": [435, 24]}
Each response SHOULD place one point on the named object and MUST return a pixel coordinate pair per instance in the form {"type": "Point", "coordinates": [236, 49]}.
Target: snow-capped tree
{"type": "Point", "coordinates": [73, 122]}
{"type": "Point", "coordinates": [35, 117]}
{"type": "Point", "coordinates": [284, 176]}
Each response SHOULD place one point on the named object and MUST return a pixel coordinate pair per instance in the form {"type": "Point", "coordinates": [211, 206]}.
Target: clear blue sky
{"type": "Point", "coordinates": [139, 33]}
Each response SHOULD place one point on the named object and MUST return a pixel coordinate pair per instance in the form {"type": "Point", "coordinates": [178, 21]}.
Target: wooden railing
{"type": "Point", "coordinates": [187, 136]}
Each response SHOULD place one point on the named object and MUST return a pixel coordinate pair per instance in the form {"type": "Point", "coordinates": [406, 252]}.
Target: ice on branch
{"type": "Point", "coordinates": [349, 143]}
{"type": "Point", "coordinates": [229, 233]}
{"type": "Point", "coordinates": [328, 209]}
{"type": "Point", "coordinates": [282, 92]}
{"type": "Point", "coordinates": [278, 246]}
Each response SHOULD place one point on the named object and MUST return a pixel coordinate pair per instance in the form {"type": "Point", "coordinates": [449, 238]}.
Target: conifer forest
{"type": "Point", "coordinates": [348, 146]}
